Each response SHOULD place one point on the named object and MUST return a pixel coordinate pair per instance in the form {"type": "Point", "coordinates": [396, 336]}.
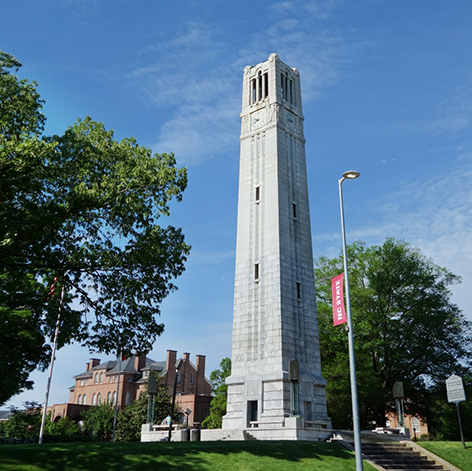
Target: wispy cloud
{"type": "Point", "coordinates": [434, 215]}
{"type": "Point", "coordinates": [203, 101]}
{"type": "Point", "coordinates": [456, 111]}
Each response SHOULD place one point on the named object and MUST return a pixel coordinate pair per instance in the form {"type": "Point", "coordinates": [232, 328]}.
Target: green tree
{"type": "Point", "coordinates": [64, 429]}
{"type": "Point", "coordinates": [406, 328]}
{"type": "Point", "coordinates": [131, 418]}
{"type": "Point", "coordinates": [82, 207]}
{"type": "Point", "coordinates": [220, 391]}
{"type": "Point", "coordinates": [98, 421]}
{"type": "Point", "coordinates": [23, 424]}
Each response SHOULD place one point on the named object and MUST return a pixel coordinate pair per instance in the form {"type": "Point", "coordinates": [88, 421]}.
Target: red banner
{"type": "Point", "coordinates": [339, 313]}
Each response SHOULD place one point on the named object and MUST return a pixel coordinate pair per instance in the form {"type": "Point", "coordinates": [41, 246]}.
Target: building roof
{"type": "Point", "coordinates": [127, 366]}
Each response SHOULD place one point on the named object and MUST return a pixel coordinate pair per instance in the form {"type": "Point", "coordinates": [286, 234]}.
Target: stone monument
{"type": "Point", "coordinates": [275, 322]}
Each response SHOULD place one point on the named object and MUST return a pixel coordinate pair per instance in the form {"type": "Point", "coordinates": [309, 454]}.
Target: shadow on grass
{"type": "Point", "coordinates": [188, 456]}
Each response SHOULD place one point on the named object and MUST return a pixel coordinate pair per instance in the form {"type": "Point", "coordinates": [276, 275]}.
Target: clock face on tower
{"type": "Point", "coordinates": [258, 119]}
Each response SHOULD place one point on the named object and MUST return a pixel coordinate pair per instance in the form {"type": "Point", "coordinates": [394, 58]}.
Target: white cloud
{"type": "Point", "coordinates": [434, 215]}
{"type": "Point", "coordinates": [456, 112]}
{"type": "Point", "coordinates": [203, 101]}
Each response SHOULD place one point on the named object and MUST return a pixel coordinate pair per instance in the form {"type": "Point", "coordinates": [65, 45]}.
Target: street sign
{"type": "Point", "coordinates": [455, 389]}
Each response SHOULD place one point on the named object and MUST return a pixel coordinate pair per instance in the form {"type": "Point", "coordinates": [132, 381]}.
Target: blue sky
{"type": "Point", "coordinates": [387, 91]}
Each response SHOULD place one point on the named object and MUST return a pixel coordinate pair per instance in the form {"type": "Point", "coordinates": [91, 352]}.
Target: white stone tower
{"type": "Point", "coordinates": [275, 318]}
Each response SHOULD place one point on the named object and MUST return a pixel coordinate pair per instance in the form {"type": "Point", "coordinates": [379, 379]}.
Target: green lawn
{"type": "Point", "coordinates": [186, 456]}
{"type": "Point", "coordinates": [452, 452]}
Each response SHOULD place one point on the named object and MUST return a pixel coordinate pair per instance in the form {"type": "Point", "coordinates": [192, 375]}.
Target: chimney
{"type": "Point", "coordinates": [186, 357]}
{"type": "Point", "coordinates": [170, 367]}
{"type": "Point", "coordinates": [139, 362]}
{"type": "Point", "coordinates": [87, 366]}
{"type": "Point", "coordinates": [93, 363]}
{"type": "Point", "coordinates": [200, 363]}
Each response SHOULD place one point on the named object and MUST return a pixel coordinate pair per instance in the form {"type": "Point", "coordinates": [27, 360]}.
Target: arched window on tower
{"type": "Point", "coordinates": [259, 86]}
{"type": "Point", "coordinates": [253, 91]}
{"type": "Point", "coordinates": [94, 398]}
{"type": "Point", "coordinates": [99, 399]}
{"type": "Point", "coordinates": [79, 400]}
{"type": "Point", "coordinates": [287, 97]}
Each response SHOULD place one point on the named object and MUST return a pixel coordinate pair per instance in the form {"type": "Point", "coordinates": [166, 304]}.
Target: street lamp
{"type": "Point", "coordinates": [351, 175]}
{"type": "Point", "coordinates": [178, 365]}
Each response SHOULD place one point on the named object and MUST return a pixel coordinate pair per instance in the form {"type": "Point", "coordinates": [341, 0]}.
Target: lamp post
{"type": "Point", "coordinates": [178, 365]}
{"type": "Point", "coordinates": [351, 175]}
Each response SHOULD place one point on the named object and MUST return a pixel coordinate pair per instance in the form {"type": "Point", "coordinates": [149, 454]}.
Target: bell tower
{"type": "Point", "coordinates": [275, 320]}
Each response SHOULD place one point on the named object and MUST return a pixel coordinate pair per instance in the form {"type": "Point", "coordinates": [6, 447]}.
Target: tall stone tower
{"type": "Point", "coordinates": [275, 318]}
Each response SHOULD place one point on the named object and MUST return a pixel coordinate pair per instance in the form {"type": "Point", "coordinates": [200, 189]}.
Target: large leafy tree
{"type": "Point", "coordinates": [82, 207]}
{"type": "Point", "coordinates": [131, 419]}
{"type": "Point", "coordinates": [406, 328]}
{"type": "Point", "coordinates": [220, 390]}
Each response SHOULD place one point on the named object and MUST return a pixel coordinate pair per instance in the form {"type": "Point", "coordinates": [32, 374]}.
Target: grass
{"type": "Point", "coordinates": [183, 456]}
{"type": "Point", "coordinates": [452, 452]}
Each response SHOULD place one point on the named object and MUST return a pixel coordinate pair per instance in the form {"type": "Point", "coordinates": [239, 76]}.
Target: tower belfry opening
{"type": "Point", "coordinates": [275, 318]}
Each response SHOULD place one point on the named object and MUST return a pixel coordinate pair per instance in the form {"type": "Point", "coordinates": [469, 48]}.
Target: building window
{"type": "Point", "coordinates": [99, 398]}
{"type": "Point", "coordinates": [111, 379]}
{"type": "Point", "coordinates": [94, 398]}
{"type": "Point", "coordinates": [258, 194]}
{"type": "Point", "coordinates": [82, 382]}
{"type": "Point", "coordinates": [266, 85]}
{"type": "Point", "coordinates": [259, 85]}
{"type": "Point", "coordinates": [96, 378]}
{"type": "Point", "coordinates": [128, 398]}
{"type": "Point", "coordinates": [178, 377]}
{"type": "Point", "coordinates": [256, 271]}
{"type": "Point", "coordinates": [86, 382]}
{"type": "Point", "coordinates": [109, 398]}
{"type": "Point", "coordinates": [146, 374]}
{"type": "Point", "coordinates": [294, 210]}
{"type": "Point", "coordinates": [253, 90]}
{"type": "Point", "coordinates": [191, 378]}
{"type": "Point", "coordinates": [84, 399]}
{"type": "Point", "coordinates": [299, 291]}
{"type": "Point", "coordinates": [113, 401]}
{"type": "Point", "coordinates": [101, 378]}
{"type": "Point", "coordinates": [79, 400]}
{"type": "Point", "coordinates": [130, 379]}
{"type": "Point", "coordinates": [282, 82]}
{"type": "Point", "coordinates": [286, 87]}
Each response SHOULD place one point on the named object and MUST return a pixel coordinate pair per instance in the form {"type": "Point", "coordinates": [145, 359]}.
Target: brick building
{"type": "Point", "coordinates": [98, 385]}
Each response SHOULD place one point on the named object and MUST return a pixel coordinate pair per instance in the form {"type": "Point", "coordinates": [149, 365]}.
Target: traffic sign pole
{"type": "Point", "coordinates": [460, 424]}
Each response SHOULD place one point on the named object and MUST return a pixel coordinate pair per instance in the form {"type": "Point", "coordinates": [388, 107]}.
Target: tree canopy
{"type": "Point", "coordinates": [84, 208]}
{"type": "Point", "coordinates": [220, 390]}
{"type": "Point", "coordinates": [406, 328]}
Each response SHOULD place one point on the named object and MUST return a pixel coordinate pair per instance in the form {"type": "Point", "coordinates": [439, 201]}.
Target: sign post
{"type": "Point", "coordinates": [456, 393]}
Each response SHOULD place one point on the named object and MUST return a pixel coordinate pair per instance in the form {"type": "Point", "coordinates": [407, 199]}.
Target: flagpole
{"type": "Point", "coordinates": [53, 354]}
{"type": "Point", "coordinates": [117, 393]}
